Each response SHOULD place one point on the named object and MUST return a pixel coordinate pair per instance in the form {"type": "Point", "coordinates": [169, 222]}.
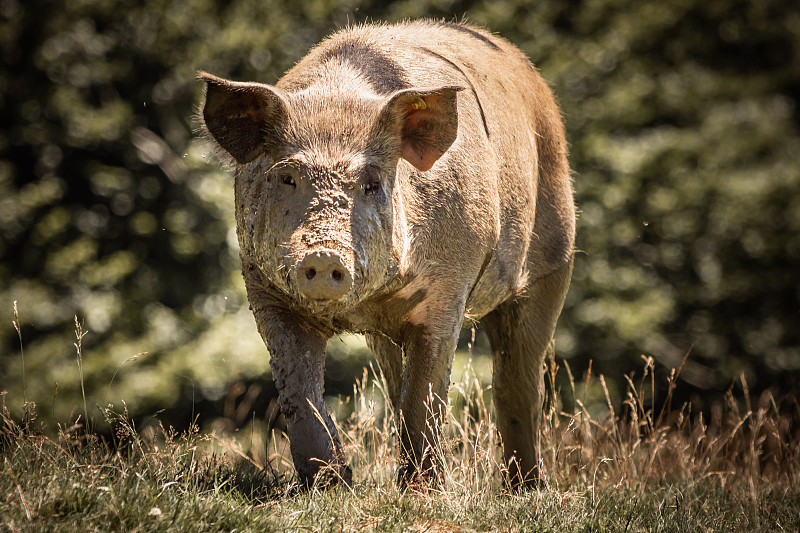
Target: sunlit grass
{"type": "Point", "coordinates": [635, 467]}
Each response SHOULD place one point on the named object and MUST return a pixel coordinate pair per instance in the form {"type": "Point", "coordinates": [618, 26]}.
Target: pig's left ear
{"type": "Point", "coordinates": [244, 118]}
{"type": "Point", "coordinates": [427, 122]}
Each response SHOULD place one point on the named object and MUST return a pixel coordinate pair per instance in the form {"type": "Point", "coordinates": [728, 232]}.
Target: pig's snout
{"type": "Point", "coordinates": [322, 275]}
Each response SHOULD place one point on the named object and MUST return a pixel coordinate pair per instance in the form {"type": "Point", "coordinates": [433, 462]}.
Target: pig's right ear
{"type": "Point", "coordinates": [426, 120]}
{"type": "Point", "coordinates": [243, 118]}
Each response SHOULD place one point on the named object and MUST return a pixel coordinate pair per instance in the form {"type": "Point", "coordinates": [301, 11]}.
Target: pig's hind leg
{"type": "Point", "coordinates": [520, 331]}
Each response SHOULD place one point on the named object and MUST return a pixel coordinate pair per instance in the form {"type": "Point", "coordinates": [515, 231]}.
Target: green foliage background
{"type": "Point", "coordinates": [682, 117]}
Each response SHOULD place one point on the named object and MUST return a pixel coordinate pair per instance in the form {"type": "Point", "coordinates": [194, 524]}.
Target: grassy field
{"type": "Point", "coordinates": [631, 468]}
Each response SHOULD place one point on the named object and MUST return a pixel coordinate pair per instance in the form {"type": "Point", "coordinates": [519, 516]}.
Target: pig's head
{"type": "Point", "coordinates": [319, 209]}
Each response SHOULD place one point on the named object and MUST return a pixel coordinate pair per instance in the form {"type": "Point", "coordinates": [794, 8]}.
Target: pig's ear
{"type": "Point", "coordinates": [427, 122]}
{"type": "Point", "coordinates": [242, 117]}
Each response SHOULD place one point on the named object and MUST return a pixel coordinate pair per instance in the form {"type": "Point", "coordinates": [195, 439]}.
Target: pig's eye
{"type": "Point", "coordinates": [287, 179]}
{"type": "Point", "coordinates": [372, 183]}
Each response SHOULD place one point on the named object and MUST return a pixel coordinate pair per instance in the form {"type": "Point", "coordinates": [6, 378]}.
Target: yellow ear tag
{"type": "Point", "coordinates": [419, 103]}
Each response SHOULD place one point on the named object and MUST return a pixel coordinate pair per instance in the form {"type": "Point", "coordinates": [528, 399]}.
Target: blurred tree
{"type": "Point", "coordinates": [683, 123]}
{"type": "Point", "coordinates": [110, 209]}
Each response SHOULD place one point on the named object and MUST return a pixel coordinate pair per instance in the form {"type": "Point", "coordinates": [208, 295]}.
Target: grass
{"type": "Point", "coordinates": [631, 468]}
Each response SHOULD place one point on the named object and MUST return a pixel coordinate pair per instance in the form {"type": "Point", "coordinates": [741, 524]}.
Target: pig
{"type": "Point", "coordinates": [397, 181]}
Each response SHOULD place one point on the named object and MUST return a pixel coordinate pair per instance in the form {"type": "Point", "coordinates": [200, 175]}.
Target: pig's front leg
{"type": "Point", "coordinates": [297, 358]}
{"type": "Point", "coordinates": [429, 343]}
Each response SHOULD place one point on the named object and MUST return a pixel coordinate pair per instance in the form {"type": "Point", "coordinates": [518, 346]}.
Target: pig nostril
{"type": "Point", "coordinates": [322, 276]}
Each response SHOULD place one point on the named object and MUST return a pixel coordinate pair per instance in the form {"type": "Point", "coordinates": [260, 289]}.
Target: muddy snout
{"type": "Point", "coordinates": [322, 275]}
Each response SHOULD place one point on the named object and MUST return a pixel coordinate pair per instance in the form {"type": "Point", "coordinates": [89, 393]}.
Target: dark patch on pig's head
{"type": "Point", "coordinates": [383, 74]}
{"type": "Point", "coordinates": [470, 31]}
